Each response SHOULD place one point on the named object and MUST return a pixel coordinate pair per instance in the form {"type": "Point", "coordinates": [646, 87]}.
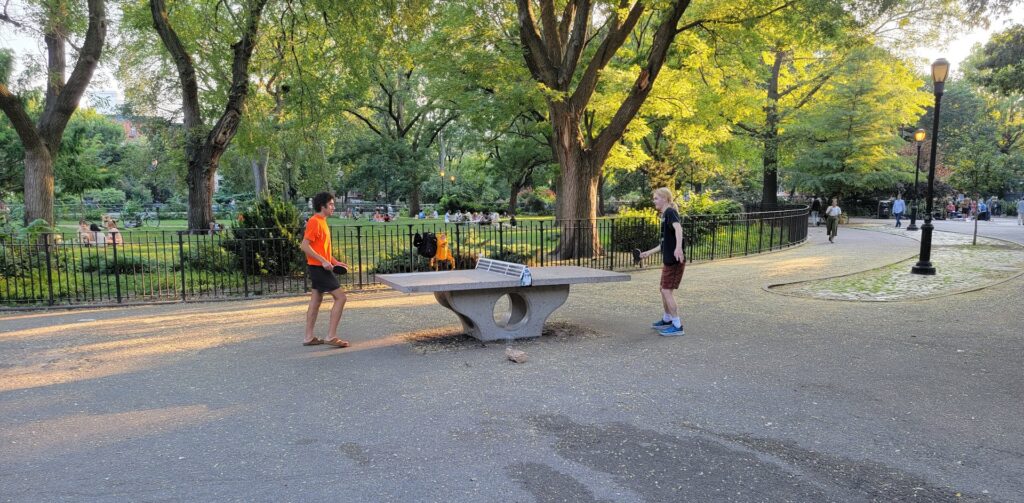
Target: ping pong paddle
{"type": "Point", "coordinates": [340, 269]}
{"type": "Point", "coordinates": [636, 256]}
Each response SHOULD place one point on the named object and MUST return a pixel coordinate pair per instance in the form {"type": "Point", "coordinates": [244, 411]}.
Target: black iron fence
{"type": "Point", "coordinates": [165, 266]}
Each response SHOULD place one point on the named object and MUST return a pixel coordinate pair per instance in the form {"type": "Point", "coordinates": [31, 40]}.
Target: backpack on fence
{"type": "Point", "coordinates": [426, 244]}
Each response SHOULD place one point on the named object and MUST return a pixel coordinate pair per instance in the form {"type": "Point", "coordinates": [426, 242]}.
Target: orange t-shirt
{"type": "Point", "coordinates": [319, 237]}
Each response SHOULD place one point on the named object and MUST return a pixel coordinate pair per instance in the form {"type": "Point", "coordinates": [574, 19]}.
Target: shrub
{"type": "Point", "coordinates": [266, 238]}
{"type": "Point", "coordinates": [705, 204]}
{"type": "Point", "coordinates": [536, 201]}
{"type": "Point", "coordinates": [209, 257]}
{"type": "Point", "coordinates": [636, 229]}
{"type": "Point", "coordinates": [512, 255]}
{"type": "Point", "coordinates": [452, 204]}
{"type": "Point", "coordinates": [398, 263]}
{"type": "Point", "coordinates": [106, 198]}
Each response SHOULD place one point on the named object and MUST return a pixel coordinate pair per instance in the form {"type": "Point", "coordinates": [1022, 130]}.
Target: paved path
{"type": "Point", "coordinates": [768, 398]}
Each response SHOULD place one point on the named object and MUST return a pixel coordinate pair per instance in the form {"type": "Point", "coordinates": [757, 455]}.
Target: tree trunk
{"type": "Point", "coordinates": [770, 160]}
{"type": "Point", "coordinates": [770, 156]}
{"type": "Point", "coordinates": [259, 171]}
{"type": "Point", "coordinates": [600, 194]}
{"type": "Point", "coordinates": [513, 199]}
{"type": "Point", "coordinates": [200, 191]}
{"type": "Point", "coordinates": [414, 201]}
{"type": "Point", "coordinates": [577, 200]}
{"type": "Point", "coordinates": [38, 185]}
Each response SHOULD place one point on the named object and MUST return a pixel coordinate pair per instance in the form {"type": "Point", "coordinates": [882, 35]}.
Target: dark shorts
{"type": "Point", "coordinates": [671, 275]}
{"type": "Point", "coordinates": [322, 280]}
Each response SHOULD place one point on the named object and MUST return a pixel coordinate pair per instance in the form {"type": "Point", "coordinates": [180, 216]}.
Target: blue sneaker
{"type": "Point", "coordinates": [661, 324]}
{"type": "Point", "coordinates": [672, 330]}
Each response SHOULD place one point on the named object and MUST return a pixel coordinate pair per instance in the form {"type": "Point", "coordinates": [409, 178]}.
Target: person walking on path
{"type": "Point", "coordinates": [1020, 212]}
{"type": "Point", "coordinates": [832, 223]}
{"type": "Point", "coordinates": [898, 208]}
{"type": "Point", "coordinates": [673, 260]}
{"type": "Point", "coordinates": [320, 266]}
{"type": "Point", "coordinates": [816, 211]}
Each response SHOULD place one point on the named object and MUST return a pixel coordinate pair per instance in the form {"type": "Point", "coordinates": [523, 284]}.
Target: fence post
{"type": "Point", "coordinates": [578, 231]}
{"type": "Point", "coordinates": [541, 247]}
{"type": "Point", "coordinates": [359, 253]}
{"type": "Point", "coordinates": [501, 239]}
{"type": "Point", "coordinates": [771, 235]}
{"type": "Point", "coordinates": [117, 275]}
{"type": "Point", "coordinates": [245, 267]}
{"type": "Point", "coordinates": [412, 251]}
{"type": "Point", "coordinates": [458, 245]}
{"type": "Point", "coordinates": [611, 245]}
{"type": "Point", "coordinates": [49, 272]}
{"type": "Point", "coordinates": [181, 264]}
{"type": "Point", "coordinates": [714, 236]}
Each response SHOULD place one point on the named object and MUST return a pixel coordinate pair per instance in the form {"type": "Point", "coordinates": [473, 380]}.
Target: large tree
{"type": "Point", "coordinates": [553, 50]}
{"type": "Point", "coordinates": [41, 141]}
{"type": "Point", "coordinates": [205, 144]}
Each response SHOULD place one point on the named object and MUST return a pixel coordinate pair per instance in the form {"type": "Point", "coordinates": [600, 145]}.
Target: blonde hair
{"type": "Point", "coordinates": [666, 194]}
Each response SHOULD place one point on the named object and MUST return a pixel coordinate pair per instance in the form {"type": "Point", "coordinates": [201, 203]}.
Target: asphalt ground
{"type": "Point", "coordinates": [767, 397]}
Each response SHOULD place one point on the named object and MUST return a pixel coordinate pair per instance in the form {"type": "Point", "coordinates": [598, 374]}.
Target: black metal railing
{"type": "Point", "coordinates": [67, 269]}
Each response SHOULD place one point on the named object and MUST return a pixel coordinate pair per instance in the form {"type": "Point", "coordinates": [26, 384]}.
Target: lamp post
{"type": "Point", "coordinates": [919, 137]}
{"type": "Point", "coordinates": [940, 70]}
{"type": "Point", "coordinates": [442, 185]}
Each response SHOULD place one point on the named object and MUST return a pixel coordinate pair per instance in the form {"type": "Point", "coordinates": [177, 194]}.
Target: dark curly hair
{"type": "Point", "coordinates": [320, 200]}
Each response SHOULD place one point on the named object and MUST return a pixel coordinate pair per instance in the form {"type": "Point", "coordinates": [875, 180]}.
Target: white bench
{"type": "Point", "coordinates": [472, 294]}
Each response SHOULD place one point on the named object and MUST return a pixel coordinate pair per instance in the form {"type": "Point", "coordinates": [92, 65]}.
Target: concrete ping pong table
{"type": "Point", "coordinates": [472, 294]}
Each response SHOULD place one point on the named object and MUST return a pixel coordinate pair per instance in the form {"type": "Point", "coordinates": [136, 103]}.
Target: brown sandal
{"type": "Point", "coordinates": [336, 342]}
{"type": "Point", "coordinates": [313, 342]}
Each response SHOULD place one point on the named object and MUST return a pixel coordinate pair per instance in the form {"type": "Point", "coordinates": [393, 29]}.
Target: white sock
{"type": "Point", "coordinates": [666, 318]}
{"type": "Point", "coordinates": [676, 322]}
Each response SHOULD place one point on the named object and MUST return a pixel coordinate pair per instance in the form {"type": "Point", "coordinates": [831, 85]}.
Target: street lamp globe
{"type": "Point", "coordinates": [919, 135]}
{"type": "Point", "coordinates": [940, 70]}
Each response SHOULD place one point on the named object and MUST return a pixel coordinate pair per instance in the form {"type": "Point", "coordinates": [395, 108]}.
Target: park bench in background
{"type": "Point", "coordinates": [472, 294]}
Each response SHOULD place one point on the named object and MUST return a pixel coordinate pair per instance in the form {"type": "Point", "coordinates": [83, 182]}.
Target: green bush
{"type": "Point", "coordinates": [125, 264]}
{"type": "Point", "coordinates": [266, 238]}
{"type": "Point", "coordinates": [636, 229]}
{"type": "Point", "coordinates": [452, 203]}
{"type": "Point", "coordinates": [512, 255]}
{"type": "Point", "coordinates": [209, 257]}
{"type": "Point", "coordinates": [404, 262]}
{"type": "Point", "coordinates": [105, 197]}
{"type": "Point", "coordinates": [705, 204]}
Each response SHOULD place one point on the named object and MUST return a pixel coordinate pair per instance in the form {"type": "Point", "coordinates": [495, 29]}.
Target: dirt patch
{"type": "Point", "coordinates": [451, 338]}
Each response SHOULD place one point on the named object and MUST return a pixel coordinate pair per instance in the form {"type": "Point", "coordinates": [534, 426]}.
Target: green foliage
{"type": "Point", "coordinates": [210, 256]}
{"type": "Point", "coordinates": [849, 142]}
{"type": "Point", "coordinates": [537, 201]}
{"type": "Point", "coordinates": [106, 198]}
{"type": "Point", "coordinates": [705, 204]}
{"type": "Point", "coordinates": [636, 228]}
{"type": "Point", "coordinates": [452, 203]}
{"type": "Point", "coordinates": [1001, 65]}
{"type": "Point", "coordinates": [265, 239]}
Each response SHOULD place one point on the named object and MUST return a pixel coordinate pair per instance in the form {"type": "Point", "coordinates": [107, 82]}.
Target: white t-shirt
{"type": "Point", "coordinates": [833, 211]}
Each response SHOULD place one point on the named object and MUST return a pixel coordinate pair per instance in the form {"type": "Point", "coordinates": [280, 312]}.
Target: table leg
{"type": "Point", "coordinates": [529, 308]}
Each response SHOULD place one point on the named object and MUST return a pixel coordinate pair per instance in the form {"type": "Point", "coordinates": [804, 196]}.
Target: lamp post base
{"type": "Point", "coordinates": [924, 268]}
{"type": "Point", "coordinates": [913, 219]}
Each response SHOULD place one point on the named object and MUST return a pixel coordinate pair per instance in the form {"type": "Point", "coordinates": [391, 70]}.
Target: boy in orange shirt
{"type": "Point", "coordinates": [320, 264]}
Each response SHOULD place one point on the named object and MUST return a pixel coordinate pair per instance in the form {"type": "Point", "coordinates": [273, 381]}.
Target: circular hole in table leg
{"type": "Point", "coordinates": [510, 311]}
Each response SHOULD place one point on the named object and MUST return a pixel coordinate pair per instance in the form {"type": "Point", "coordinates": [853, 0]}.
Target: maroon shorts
{"type": "Point", "coordinates": [671, 275]}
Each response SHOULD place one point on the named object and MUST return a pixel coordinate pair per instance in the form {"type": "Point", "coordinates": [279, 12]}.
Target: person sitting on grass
{"type": "Point", "coordinates": [98, 238]}
{"type": "Point", "coordinates": [113, 234]}
{"type": "Point", "coordinates": [84, 233]}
